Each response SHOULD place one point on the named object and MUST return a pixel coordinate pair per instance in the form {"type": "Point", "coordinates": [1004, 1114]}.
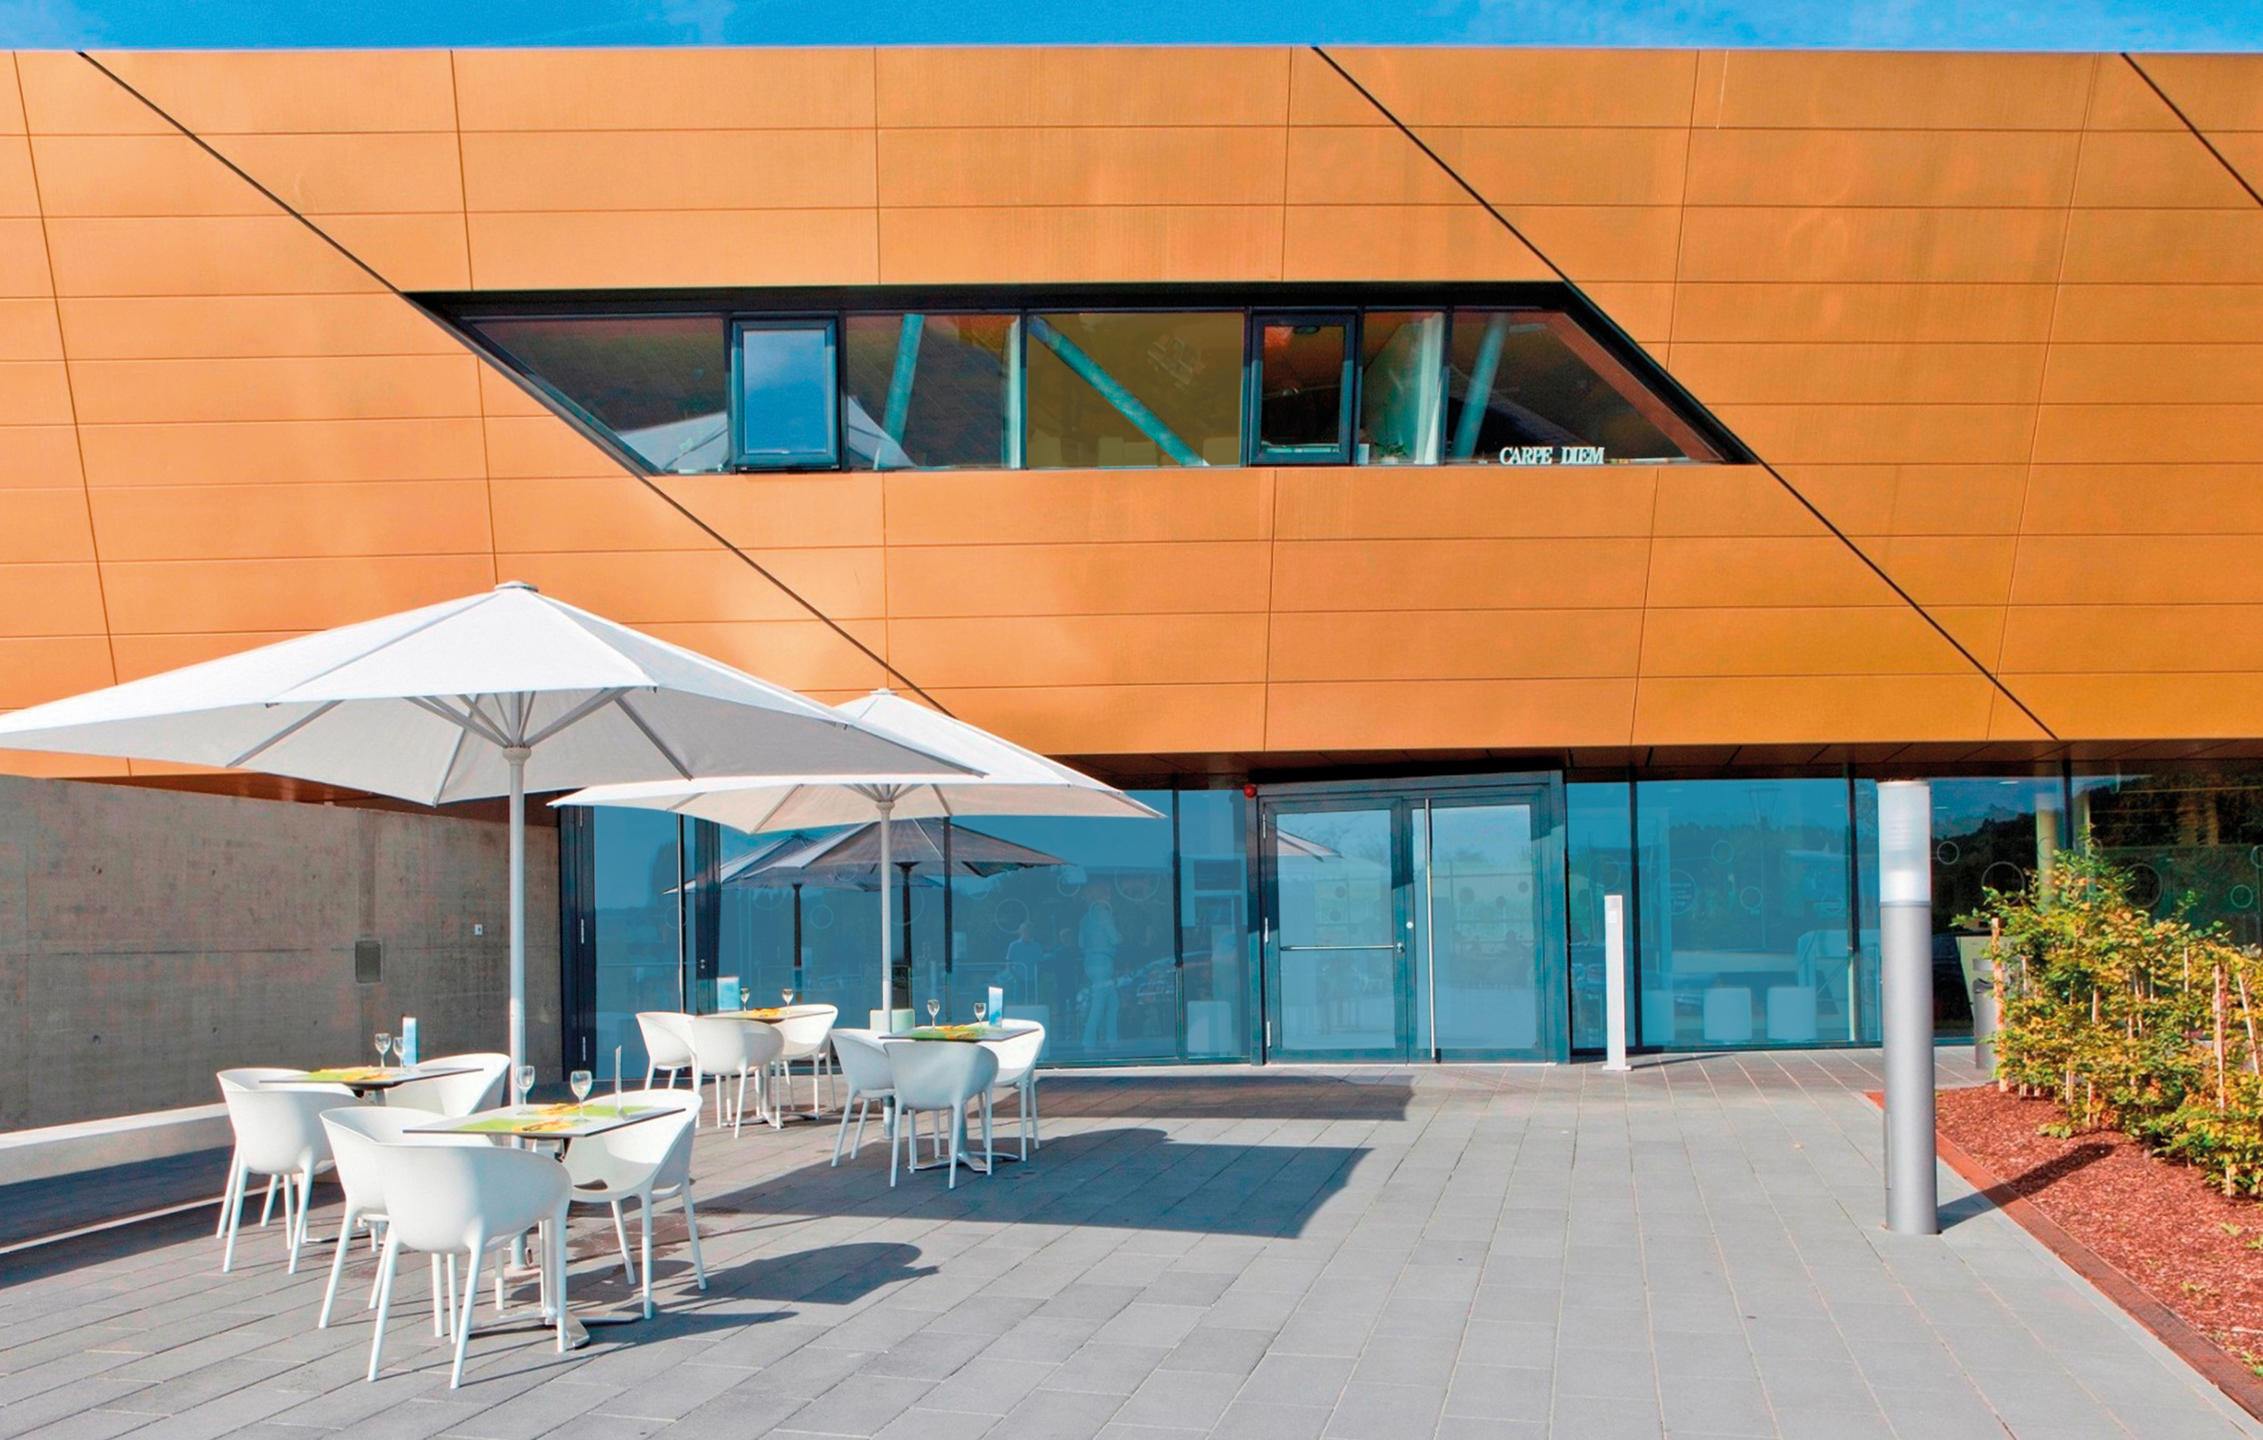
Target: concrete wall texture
{"type": "Point", "coordinates": [150, 937]}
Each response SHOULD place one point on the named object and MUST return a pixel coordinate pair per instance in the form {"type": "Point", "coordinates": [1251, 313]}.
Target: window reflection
{"type": "Point", "coordinates": [1525, 385]}
{"type": "Point", "coordinates": [930, 392]}
{"type": "Point", "coordinates": [634, 928]}
{"type": "Point", "coordinates": [657, 382]}
{"type": "Point", "coordinates": [1598, 861]}
{"type": "Point", "coordinates": [1087, 947]}
{"type": "Point", "coordinates": [786, 388]}
{"type": "Point", "coordinates": [1302, 387]}
{"type": "Point", "coordinates": [1745, 903]}
{"type": "Point", "coordinates": [2187, 837]}
{"type": "Point", "coordinates": [1214, 921]}
{"type": "Point", "coordinates": [1988, 834]}
{"type": "Point", "coordinates": [1115, 389]}
{"type": "Point", "coordinates": [1402, 360]}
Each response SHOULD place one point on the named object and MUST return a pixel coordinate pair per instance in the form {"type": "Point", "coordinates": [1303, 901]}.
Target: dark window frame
{"type": "Point", "coordinates": [1254, 449]}
{"type": "Point", "coordinates": [834, 459]}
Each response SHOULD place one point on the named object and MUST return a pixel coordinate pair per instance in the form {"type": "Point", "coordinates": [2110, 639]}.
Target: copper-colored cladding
{"type": "Point", "coordinates": [1999, 317]}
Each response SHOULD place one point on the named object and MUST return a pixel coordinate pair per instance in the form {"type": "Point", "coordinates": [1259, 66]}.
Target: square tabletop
{"type": "Point", "coordinates": [370, 1077]}
{"type": "Point", "coordinates": [548, 1122]}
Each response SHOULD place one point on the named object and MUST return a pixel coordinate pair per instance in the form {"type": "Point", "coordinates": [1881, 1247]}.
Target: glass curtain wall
{"type": "Point", "coordinates": [1751, 930]}
{"type": "Point", "coordinates": [1133, 946]}
{"type": "Point", "coordinates": [1989, 833]}
{"type": "Point", "coordinates": [1598, 861]}
{"type": "Point", "coordinates": [2191, 838]}
{"type": "Point", "coordinates": [1112, 389]}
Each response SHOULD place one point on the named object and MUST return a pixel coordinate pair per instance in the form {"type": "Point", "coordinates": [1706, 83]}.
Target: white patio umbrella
{"type": "Point", "coordinates": [488, 695]}
{"type": "Point", "coordinates": [1005, 780]}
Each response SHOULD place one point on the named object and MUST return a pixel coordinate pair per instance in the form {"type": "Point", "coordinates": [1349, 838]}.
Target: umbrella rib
{"type": "Point", "coordinates": [658, 744]}
{"type": "Point", "coordinates": [283, 734]}
{"type": "Point", "coordinates": [471, 720]}
{"type": "Point", "coordinates": [579, 713]}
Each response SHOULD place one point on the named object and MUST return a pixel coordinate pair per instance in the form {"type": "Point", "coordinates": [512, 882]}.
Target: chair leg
{"type": "Point", "coordinates": [989, 1146]}
{"type": "Point", "coordinates": [451, 1269]}
{"type": "Point", "coordinates": [738, 1111]}
{"type": "Point", "coordinates": [691, 1227]}
{"type": "Point", "coordinates": [337, 1268]}
{"type": "Point", "coordinates": [385, 1262]}
{"type": "Point", "coordinates": [231, 1193]}
{"type": "Point", "coordinates": [439, 1316]}
{"type": "Point", "coordinates": [621, 1233]}
{"type": "Point", "coordinates": [647, 1254]}
{"type": "Point", "coordinates": [556, 1251]}
{"type": "Point", "coordinates": [463, 1321]}
{"type": "Point", "coordinates": [957, 1125]}
{"type": "Point", "coordinates": [305, 1185]}
{"type": "Point", "coordinates": [229, 1223]}
{"type": "Point", "coordinates": [841, 1135]}
{"type": "Point", "coordinates": [267, 1206]}
{"type": "Point", "coordinates": [895, 1146]}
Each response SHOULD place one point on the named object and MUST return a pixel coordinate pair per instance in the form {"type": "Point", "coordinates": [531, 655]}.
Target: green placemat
{"type": "Point", "coordinates": [967, 1033]}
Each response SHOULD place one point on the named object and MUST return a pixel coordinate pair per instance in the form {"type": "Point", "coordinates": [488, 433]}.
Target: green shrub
{"type": "Point", "coordinates": [2132, 1021]}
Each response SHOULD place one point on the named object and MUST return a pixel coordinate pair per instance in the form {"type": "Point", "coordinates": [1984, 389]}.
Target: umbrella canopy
{"type": "Point", "coordinates": [1005, 779]}
{"type": "Point", "coordinates": [488, 695]}
{"type": "Point", "coordinates": [851, 859]}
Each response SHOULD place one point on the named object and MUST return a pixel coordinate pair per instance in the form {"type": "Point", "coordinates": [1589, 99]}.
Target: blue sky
{"type": "Point", "coordinates": [1856, 24]}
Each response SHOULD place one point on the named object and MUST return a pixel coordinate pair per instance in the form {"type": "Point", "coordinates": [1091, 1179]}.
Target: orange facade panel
{"type": "Point", "coordinates": [1049, 86]}
{"type": "Point", "coordinates": [2000, 318]}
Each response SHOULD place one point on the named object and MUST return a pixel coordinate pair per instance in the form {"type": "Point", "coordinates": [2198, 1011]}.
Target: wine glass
{"type": "Point", "coordinates": [384, 1046]}
{"type": "Point", "coordinates": [934, 1008]}
{"type": "Point", "coordinates": [786, 995]}
{"type": "Point", "coordinates": [579, 1082]}
{"type": "Point", "coordinates": [526, 1082]}
{"type": "Point", "coordinates": [981, 1008]}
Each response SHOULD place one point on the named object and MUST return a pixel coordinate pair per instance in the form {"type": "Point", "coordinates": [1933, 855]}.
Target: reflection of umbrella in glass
{"type": "Point", "coordinates": [850, 860]}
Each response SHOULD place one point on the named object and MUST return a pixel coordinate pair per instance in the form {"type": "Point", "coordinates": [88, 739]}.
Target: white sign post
{"type": "Point", "coordinates": [1615, 981]}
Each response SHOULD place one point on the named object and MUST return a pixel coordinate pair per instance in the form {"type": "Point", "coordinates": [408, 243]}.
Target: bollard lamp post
{"type": "Point", "coordinates": [1905, 932]}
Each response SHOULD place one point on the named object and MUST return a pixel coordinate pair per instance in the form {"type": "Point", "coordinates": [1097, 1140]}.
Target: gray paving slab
{"type": "Point", "coordinates": [1689, 1250]}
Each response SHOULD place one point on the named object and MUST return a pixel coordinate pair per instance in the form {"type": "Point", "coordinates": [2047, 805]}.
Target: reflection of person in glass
{"type": "Point", "coordinates": [1024, 955]}
{"type": "Point", "coordinates": [1098, 938]}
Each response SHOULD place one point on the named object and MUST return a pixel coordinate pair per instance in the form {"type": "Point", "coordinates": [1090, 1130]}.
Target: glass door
{"type": "Point", "coordinates": [1485, 991]}
{"type": "Point", "coordinates": [1336, 931]}
{"type": "Point", "coordinates": [1420, 923]}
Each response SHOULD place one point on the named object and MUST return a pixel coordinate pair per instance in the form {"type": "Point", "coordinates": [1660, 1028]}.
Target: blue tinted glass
{"type": "Point", "coordinates": [786, 394]}
{"type": "Point", "coordinates": [2188, 837]}
{"type": "Point", "coordinates": [1214, 921]}
{"type": "Point", "coordinates": [1598, 862]}
{"type": "Point", "coordinates": [1086, 946]}
{"type": "Point", "coordinates": [634, 927]}
{"type": "Point", "coordinates": [655, 381]}
{"type": "Point", "coordinates": [1745, 912]}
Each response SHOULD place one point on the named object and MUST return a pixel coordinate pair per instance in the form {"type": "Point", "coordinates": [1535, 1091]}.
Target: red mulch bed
{"type": "Point", "coordinates": [2159, 1223]}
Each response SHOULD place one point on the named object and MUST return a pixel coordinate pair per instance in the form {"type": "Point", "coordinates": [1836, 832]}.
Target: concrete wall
{"type": "Point", "coordinates": [151, 937]}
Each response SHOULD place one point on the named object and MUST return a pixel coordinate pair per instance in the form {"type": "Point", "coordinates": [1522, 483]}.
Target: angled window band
{"type": "Point", "coordinates": [1113, 377]}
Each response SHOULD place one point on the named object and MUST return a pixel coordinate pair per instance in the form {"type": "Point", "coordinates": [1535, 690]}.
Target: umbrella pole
{"type": "Point", "coordinates": [515, 757]}
{"type": "Point", "coordinates": [887, 923]}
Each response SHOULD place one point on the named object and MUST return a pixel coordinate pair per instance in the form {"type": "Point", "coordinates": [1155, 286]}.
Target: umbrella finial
{"type": "Point", "coordinates": [518, 585]}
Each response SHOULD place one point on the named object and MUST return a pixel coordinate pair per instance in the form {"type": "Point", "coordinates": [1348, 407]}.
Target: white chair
{"type": "Point", "coordinates": [1017, 1071]}
{"type": "Point", "coordinates": [455, 1096]}
{"type": "Point", "coordinates": [939, 1077]}
{"type": "Point", "coordinates": [667, 1048]}
{"type": "Point", "coordinates": [279, 1132]}
{"type": "Point", "coordinates": [864, 1066]}
{"type": "Point", "coordinates": [253, 1077]}
{"type": "Point", "coordinates": [647, 1161]}
{"type": "Point", "coordinates": [802, 1035]}
{"type": "Point", "coordinates": [724, 1048]}
{"type": "Point", "coordinates": [354, 1133]}
{"type": "Point", "coordinates": [467, 1200]}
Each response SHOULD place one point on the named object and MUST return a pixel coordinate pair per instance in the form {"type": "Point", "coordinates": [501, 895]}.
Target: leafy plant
{"type": "Point", "coordinates": [2130, 1020]}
